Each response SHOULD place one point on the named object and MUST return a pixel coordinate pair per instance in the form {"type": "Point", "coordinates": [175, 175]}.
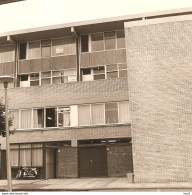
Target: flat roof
{"type": "Point", "coordinates": [89, 26]}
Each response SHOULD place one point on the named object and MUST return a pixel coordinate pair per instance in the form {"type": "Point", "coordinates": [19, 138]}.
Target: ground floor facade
{"type": "Point", "coordinates": [91, 158]}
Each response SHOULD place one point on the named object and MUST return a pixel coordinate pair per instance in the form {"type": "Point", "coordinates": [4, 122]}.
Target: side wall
{"type": "Point", "coordinates": [160, 93]}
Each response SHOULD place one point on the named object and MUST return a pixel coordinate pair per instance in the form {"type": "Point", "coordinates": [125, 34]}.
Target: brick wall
{"type": "Point", "coordinates": [69, 93]}
{"type": "Point", "coordinates": [67, 163]}
{"type": "Point", "coordinates": [68, 134]}
{"type": "Point", "coordinates": [160, 91]}
{"type": "Point", "coordinates": [119, 160]}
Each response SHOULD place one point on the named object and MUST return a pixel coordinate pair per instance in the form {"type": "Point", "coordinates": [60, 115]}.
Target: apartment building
{"type": "Point", "coordinates": [101, 98]}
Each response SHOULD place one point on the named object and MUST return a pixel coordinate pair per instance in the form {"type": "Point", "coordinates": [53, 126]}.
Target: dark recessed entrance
{"type": "Point", "coordinates": [92, 162]}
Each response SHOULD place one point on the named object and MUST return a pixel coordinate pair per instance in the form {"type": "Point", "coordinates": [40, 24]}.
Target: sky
{"type": "Point", "coordinates": [36, 13]}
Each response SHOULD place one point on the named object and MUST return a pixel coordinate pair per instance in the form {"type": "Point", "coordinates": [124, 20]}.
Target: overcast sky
{"type": "Point", "coordinates": [35, 13]}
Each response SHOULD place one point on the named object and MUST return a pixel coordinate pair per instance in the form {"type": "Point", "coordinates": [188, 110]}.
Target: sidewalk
{"type": "Point", "coordinates": [88, 184]}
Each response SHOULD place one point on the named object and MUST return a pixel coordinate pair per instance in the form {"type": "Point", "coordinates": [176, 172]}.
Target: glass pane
{"type": "Point", "coordinates": [84, 115]}
{"type": "Point", "coordinates": [98, 70]}
{"type": "Point", "coordinates": [37, 157]}
{"type": "Point", "coordinates": [14, 154]}
{"type": "Point", "coordinates": [38, 118]}
{"type": "Point", "coordinates": [64, 117]}
{"type": "Point", "coordinates": [25, 157]}
{"type": "Point", "coordinates": [15, 118]}
{"type": "Point", "coordinates": [122, 66]}
{"type": "Point", "coordinates": [22, 51]}
{"type": "Point", "coordinates": [26, 119]}
{"type": "Point", "coordinates": [46, 51]}
{"type": "Point", "coordinates": [34, 83]}
{"type": "Point", "coordinates": [45, 42]}
{"type": "Point", "coordinates": [45, 81]}
{"type": "Point", "coordinates": [97, 43]}
{"type": "Point", "coordinates": [25, 145]}
{"type": "Point", "coordinates": [84, 43]}
{"type": "Point", "coordinates": [24, 77]}
{"type": "Point", "coordinates": [111, 113]}
{"type": "Point", "coordinates": [97, 114]}
{"type": "Point", "coordinates": [86, 71]}
{"type": "Point", "coordinates": [56, 80]}
{"type": "Point", "coordinates": [99, 76]}
{"type": "Point", "coordinates": [37, 145]}
{"type": "Point", "coordinates": [109, 34]}
{"type": "Point", "coordinates": [34, 76]}
{"type": "Point", "coordinates": [123, 74]}
{"type": "Point", "coordinates": [51, 117]}
{"type": "Point", "coordinates": [70, 72]}
{"type": "Point", "coordinates": [111, 67]}
{"type": "Point", "coordinates": [111, 75]}
{"type": "Point", "coordinates": [14, 146]}
{"type": "Point", "coordinates": [56, 73]}
{"type": "Point", "coordinates": [34, 50]}
{"type": "Point", "coordinates": [46, 74]}
{"type": "Point", "coordinates": [120, 39]}
{"type": "Point", "coordinates": [124, 114]}
{"type": "Point", "coordinates": [110, 44]}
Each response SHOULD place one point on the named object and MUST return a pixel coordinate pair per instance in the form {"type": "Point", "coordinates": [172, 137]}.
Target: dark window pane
{"type": "Point", "coordinates": [24, 77]}
{"type": "Point", "coordinates": [111, 75]}
{"type": "Point", "coordinates": [45, 42]}
{"type": "Point", "coordinates": [51, 117]}
{"type": "Point", "coordinates": [22, 52]}
{"type": "Point", "coordinates": [120, 39]}
{"type": "Point", "coordinates": [111, 113]}
{"type": "Point", "coordinates": [97, 43]}
{"type": "Point", "coordinates": [111, 67]}
{"type": "Point", "coordinates": [110, 44]}
{"type": "Point", "coordinates": [34, 83]}
{"type": "Point", "coordinates": [98, 70]}
{"type": "Point", "coordinates": [99, 76]}
{"type": "Point", "coordinates": [84, 43]}
{"type": "Point", "coordinates": [86, 71]}
{"type": "Point", "coordinates": [122, 73]}
{"type": "Point", "coordinates": [109, 34]}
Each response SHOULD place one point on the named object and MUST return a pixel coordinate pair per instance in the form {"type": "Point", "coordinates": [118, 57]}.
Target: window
{"type": "Point", "coordinates": [24, 81]}
{"type": "Point", "coordinates": [38, 118]}
{"type": "Point", "coordinates": [111, 113]}
{"type": "Point", "coordinates": [63, 116]}
{"type": "Point", "coordinates": [84, 43]}
{"type": "Point", "coordinates": [46, 48]}
{"type": "Point", "coordinates": [84, 115]}
{"type": "Point", "coordinates": [34, 50]}
{"type": "Point", "coordinates": [97, 114]}
{"type": "Point", "coordinates": [120, 39]}
{"type": "Point", "coordinates": [22, 51]}
{"type": "Point", "coordinates": [124, 114]}
{"type": "Point", "coordinates": [45, 78]}
{"type": "Point", "coordinates": [110, 41]}
{"type": "Point", "coordinates": [25, 119]}
{"type": "Point", "coordinates": [51, 117]}
{"type": "Point", "coordinates": [7, 53]}
{"type": "Point", "coordinates": [97, 42]}
{"type": "Point", "coordinates": [96, 73]}
{"type": "Point", "coordinates": [26, 155]}
{"type": "Point", "coordinates": [63, 46]}
{"type": "Point", "coordinates": [34, 79]}
{"type": "Point", "coordinates": [15, 118]}
{"type": "Point", "coordinates": [112, 71]}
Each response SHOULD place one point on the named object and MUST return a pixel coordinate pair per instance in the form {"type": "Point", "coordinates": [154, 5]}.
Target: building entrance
{"type": "Point", "coordinates": [92, 162]}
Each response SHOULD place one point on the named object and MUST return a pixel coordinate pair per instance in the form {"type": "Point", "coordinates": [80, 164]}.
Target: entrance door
{"type": "Point", "coordinates": [50, 163]}
{"type": "Point", "coordinates": [93, 162]}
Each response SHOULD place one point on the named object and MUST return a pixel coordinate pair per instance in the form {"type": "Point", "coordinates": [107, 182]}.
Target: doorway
{"type": "Point", "coordinates": [92, 162]}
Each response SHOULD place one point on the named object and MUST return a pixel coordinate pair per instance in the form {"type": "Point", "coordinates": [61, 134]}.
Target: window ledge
{"type": "Point", "coordinates": [72, 128]}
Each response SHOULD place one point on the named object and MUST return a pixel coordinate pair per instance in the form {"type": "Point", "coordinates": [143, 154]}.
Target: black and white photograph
{"type": "Point", "coordinates": [95, 96]}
